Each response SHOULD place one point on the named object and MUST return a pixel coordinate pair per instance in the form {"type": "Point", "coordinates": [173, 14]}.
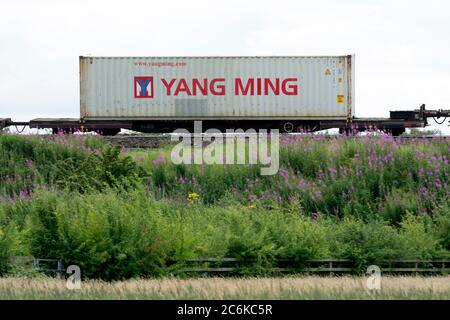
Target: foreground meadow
{"type": "Point", "coordinates": [303, 288]}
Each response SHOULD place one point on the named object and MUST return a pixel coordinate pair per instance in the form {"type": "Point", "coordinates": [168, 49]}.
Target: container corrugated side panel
{"type": "Point", "coordinates": [107, 88]}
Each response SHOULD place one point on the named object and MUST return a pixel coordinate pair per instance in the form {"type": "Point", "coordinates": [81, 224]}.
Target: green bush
{"type": "Point", "coordinates": [442, 226]}
{"type": "Point", "coordinates": [363, 243]}
{"type": "Point", "coordinates": [5, 251]}
{"type": "Point", "coordinates": [417, 238]}
{"type": "Point", "coordinates": [106, 235]}
{"type": "Point", "coordinates": [116, 235]}
{"type": "Point", "coordinates": [98, 171]}
{"type": "Point", "coordinates": [298, 238]}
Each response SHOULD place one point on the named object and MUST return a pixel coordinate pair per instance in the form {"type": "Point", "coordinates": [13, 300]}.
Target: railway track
{"type": "Point", "coordinates": [159, 140]}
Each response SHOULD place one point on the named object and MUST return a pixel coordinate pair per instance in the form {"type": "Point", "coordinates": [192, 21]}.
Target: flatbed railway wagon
{"type": "Point", "coordinates": [161, 94]}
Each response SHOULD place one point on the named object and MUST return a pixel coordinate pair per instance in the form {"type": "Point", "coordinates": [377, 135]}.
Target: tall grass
{"type": "Point", "coordinates": [296, 288]}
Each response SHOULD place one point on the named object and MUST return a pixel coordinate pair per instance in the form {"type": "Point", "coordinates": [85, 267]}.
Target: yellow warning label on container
{"type": "Point", "coordinates": [340, 98]}
{"type": "Point", "coordinates": [327, 72]}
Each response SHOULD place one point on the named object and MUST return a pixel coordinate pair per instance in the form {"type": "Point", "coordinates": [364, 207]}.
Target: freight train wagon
{"type": "Point", "coordinates": [161, 94]}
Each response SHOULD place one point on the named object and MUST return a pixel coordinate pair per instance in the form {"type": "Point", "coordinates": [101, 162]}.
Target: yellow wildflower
{"type": "Point", "coordinates": [193, 197]}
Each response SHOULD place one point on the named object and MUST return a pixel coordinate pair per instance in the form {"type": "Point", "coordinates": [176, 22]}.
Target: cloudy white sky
{"type": "Point", "coordinates": [402, 47]}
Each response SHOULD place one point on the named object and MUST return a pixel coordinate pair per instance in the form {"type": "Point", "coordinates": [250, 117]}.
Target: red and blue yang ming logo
{"type": "Point", "coordinates": [143, 87]}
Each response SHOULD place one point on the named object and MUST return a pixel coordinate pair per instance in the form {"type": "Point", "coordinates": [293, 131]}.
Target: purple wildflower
{"type": "Point", "coordinates": [318, 195]}
{"type": "Point", "coordinates": [283, 173]}
{"type": "Point", "coordinates": [437, 183]}
{"type": "Point", "coordinates": [420, 172]}
{"type": "Point", "coordinates": [29, 163]}
{"type": "Point", "coordinates": [159, 160]}
{"type": "Point", "coordinates": [24, 194]}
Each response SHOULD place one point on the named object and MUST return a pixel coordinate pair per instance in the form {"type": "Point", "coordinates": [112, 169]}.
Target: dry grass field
{"type": "Point", "coordinates": [230, 288]}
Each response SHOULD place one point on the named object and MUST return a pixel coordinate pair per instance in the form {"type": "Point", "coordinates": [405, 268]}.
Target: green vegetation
{"type": "Point", "coordinates": [414, 132]}
{"type": "Point", "coordinates": [120, 214]}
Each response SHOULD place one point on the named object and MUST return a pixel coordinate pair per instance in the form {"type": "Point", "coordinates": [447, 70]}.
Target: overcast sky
{"type": "Point", "coordinates": [402, 47]}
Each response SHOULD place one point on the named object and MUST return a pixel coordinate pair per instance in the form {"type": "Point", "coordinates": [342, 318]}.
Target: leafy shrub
{"type": "Point", "coordinates": [442, 226]}
{"type": "Point", "coordinates": [363, 243]}
{"type": "Point", "coordinates": [298, 238]}
{"type": "Point", "coordinates": [5, 250]}
{"type": "Point", "coordinates": [98, 172]}
{"type": "Point", "coordinates": [43, 223]}
{"type": "Point", "coordinates": [416, 238]}
{"type": "Point", "coordinates": [116, 235]}
{"type": "Point", "coordinates": [103, 234]}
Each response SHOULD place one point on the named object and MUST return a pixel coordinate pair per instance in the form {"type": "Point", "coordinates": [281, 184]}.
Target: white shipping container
{"type": "Point", "coordinates": [177, 88]}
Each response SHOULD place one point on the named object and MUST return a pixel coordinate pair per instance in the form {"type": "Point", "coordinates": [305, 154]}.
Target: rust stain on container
{"type": "Point", "coordinates": [83, 87]}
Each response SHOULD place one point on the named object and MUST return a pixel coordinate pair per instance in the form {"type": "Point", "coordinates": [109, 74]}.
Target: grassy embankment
{"type": "Point", "coordinates": [129, 214]}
